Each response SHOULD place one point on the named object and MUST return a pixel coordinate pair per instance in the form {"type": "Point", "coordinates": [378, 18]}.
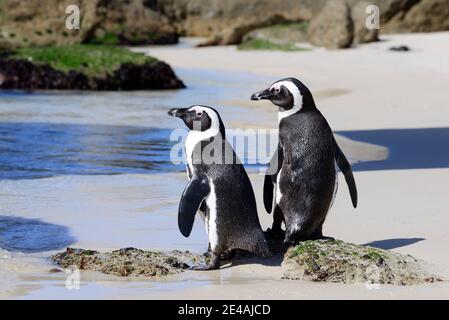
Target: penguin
{"type": "Point", "coordinates": [218, 187]}
{"type": "Point", "coordinates": [302, 178]}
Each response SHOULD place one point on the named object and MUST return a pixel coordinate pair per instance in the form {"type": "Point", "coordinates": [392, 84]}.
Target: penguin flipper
{"type": "Point", "coordinates": [268, 193]}
{"type": "Point", "coordinates": [345, 167]}
{"type": "Point", "coordinates": [270, 178]}
{"type": "Point", "coordinates": [197, 189]}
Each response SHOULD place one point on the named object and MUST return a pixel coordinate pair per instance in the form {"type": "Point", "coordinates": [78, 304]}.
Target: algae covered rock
{"type": "Point", "coordinates": [280, 33]}
{"type": "Point", "coordinates": [84, 67]}
{"type": "Point", "coordinates": [128, 261]}
{"type": "Point", "coordinates": [337, 261]}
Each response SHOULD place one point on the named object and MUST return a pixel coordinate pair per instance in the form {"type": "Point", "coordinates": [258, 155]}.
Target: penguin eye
{"type": "Point", "coordinates": [277, 90]}
{"type": "Point", "coordinates": [199, 113]}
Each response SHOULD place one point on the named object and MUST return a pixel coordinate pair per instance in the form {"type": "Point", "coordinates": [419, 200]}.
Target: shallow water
{"type": "Point", "coordinates": [47, 134]}
{"type": "Point", "coordinates": [84, 169]}
{"type": "Point", "coordinates": [93, 170]}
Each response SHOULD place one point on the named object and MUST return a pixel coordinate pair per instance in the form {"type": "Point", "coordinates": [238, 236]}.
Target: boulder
{"type": "Point", "coordinates": [226, 22]}
{"type": "Point", "coordinates": [128, 261]}
{"type": "Point", "coordinates": [133, 22]}
{"type": "Point", "coordinates": [279, 34]}
{"type": "Point", "coordinates": [361, 33]}
{"type": "Point", "coordinates": [42, 23]}
{"type": "Point", "coordinates": [338, 261]}
{"type": "Point", "coordinates": [312, 260]}
{"type": "Point", "coordinates": [333, 27]}
{"type": "Point", "coordinates": [84, 67]}
{"type": "Point", "coordinates": [422, 16]}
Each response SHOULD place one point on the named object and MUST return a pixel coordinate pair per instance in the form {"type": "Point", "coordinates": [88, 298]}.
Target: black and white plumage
{"type": "Point", "coordinates": [301, 181]}
{"type": "Point", "coordinates": [218, 187]}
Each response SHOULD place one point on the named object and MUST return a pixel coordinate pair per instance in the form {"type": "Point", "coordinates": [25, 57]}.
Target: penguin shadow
{"type": "Point", "coordinates": [277, 248]}
{"type": "Point", "coordinates": [414, 148]}
{"type": "Point", "coordinates": [32, 235]}
{"type": "Point", "coordinates": [388, 244]}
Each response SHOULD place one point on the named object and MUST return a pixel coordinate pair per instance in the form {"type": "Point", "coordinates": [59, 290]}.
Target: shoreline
{"type": "Point", "coordinates": [403, 210]}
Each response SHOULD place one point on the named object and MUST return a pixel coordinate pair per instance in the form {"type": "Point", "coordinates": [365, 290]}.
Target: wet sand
{"type": "Point", "coordinates": [366, 88]}
{"type": "Point", "coordinates": [402, 210]}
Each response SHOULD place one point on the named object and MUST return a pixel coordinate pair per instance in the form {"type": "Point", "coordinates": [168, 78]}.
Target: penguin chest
{"type": "Point", "coordinates": [211, 217]}
{"type": "Point", "coordinates": [277, 189]}
{"type": "Point", "coordinates": [335, 186]}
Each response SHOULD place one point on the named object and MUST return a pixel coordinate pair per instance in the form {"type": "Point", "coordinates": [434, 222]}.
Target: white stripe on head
{"type": "Point", "coordinates": [195, 136]}
{"type": "Point", "coordinates": [297, 98]}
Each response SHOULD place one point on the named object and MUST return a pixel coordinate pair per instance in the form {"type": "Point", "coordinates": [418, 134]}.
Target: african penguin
{"type": "Point", "coordinates": [218, 187]}
{"type": "Point", "coordinates": [301, 181]}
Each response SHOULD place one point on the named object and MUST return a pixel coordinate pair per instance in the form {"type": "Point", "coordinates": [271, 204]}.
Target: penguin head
{"type": "Point", "coordinates": [289, 94]}
{"type": "Point", "coordinates": [199, 118]}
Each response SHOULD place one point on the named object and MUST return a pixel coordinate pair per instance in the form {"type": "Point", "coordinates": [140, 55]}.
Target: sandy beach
{"type": "Point", "coordinates": [390, 108]}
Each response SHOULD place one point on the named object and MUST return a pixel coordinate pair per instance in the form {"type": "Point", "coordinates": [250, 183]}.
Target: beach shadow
{"type": "Point", "coordinates": [32, 235]}
{"type": "Point", "coordinates": [388, 244]}
{"type": "Point", "coordinates": [420, 148]}
{"type": "Point", "coordinates": [277, 249]}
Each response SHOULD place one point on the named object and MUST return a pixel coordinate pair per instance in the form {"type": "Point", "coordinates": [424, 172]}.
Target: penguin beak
{"type": "Point", "coordinates": [177, 112]}
{"type": "Point", "coordinates": [264, 94]}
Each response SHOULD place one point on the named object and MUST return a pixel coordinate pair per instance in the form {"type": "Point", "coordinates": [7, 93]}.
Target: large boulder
{"type": "Point", "coordinates": [333, 27]}
{"type": "Point", "coordinates": [84, 67]}
{"type": "Point", "coordinates": [42, 23]}
{"type": "Point", "coordinates": [422, 16]}
{"type": "Point", "coordinates": [280, 34]}
{"type": "Point", "coordinates": [362, 34]}
{"type": "Point", "coordinates": [226, 22]}
{"type": "Point", "coordinates": [133, 22]}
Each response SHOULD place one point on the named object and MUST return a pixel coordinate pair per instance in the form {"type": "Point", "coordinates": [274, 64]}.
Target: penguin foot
{"type": "Point", "coordinates": [290, 243]}
{"type": "Point", "coordinates": [214, 264]}
{"type": "Point", "coordinates": [325, 238]}
{"type": "Point", "coordinates": [276, 233]}
{"type": "Point", "coordinates": [228, 255]}
{"type": "Point", "coordinates": [318, 235]}
{"type": "Point", "coordinates": [204, 268]}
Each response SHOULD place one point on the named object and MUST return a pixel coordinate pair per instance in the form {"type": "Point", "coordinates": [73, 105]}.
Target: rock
{"type": "Point", "coordinates": [417, 16]}
{"type": "Point", "coordinates": [100, 68]}
{"type": "Point", "coordinates": [337, 261]}
{"type": "Point", "coordinates": [128, 261]}
{"type": "Point", "coordinates": [54, 270]}
{"type": "Point", "coordinates": [42, 23]}
{"type": "Point", "coordinates": [333, 27]}
{"type": "Point", "coordinates": [399, 48]}
{"type": "Point", "coordinates": [313, 260]}
{"type": "Point", "coordinates": [23, 74]}
{"type": "Point", "coordinates": [133, 22]}
{"type": "Point", "coordinates": [226, 22]}
{"type": "Point", "coordinates": [279, 34]}
{"type": "Point", "coordinates": [361, 33]}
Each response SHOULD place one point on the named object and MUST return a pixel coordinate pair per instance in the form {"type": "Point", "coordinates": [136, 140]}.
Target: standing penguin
{"type": "Point", "coordinates": [218, 187]}
{"type": "Point", "coordinates": [301, 181]}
